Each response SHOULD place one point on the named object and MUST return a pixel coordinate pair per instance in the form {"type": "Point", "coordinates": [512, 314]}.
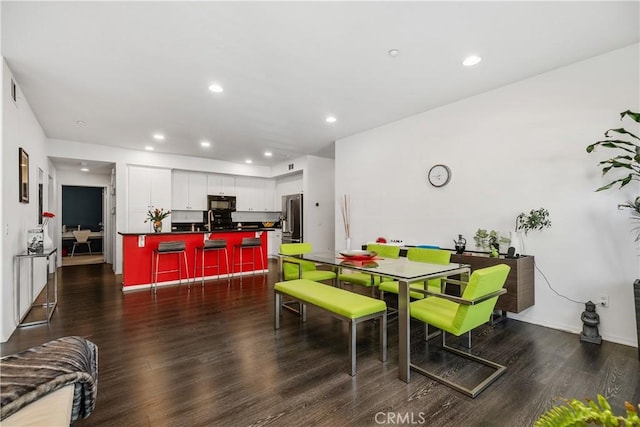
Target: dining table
{"type": "Point", "coordinates": [402, 270]}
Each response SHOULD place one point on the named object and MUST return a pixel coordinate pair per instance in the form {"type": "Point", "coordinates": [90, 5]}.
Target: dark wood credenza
{"type": "Point", "coordinates": [520, 283]}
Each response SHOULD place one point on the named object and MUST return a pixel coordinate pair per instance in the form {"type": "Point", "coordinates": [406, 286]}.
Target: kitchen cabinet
{"type": "Point", "coordinates": [147, 189]}
{"type": "Point", "coordinates": [189, 191]}
{"type": "Point", "coordinates": [221, 185]}
{"type": "Point", "coordinates": [255, 194]}
{"type": "Point", "coordinates": [274, 239]}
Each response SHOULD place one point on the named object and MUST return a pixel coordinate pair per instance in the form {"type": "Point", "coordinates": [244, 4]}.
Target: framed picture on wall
{"type": "Point", "coordinates": [23, 175]}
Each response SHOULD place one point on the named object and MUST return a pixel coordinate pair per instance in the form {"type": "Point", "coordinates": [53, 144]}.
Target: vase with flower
{"type": "Point", "coordinates": [156, 216]}
{"type": "Point", "coordinates": [47, 242]}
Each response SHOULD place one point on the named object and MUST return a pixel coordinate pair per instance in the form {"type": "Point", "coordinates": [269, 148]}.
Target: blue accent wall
{"type": "Point", "coordinates": [81, 205]}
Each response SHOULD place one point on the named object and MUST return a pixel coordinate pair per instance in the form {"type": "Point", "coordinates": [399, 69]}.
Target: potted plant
{"type": "Point", "coordinates": [156, 216]}
{"type": "Point", "coordinates": [575, 413]}
{"type": "Point", "coordinates": [536, 219]}
{"type": "Point", "coordinates": [489, 241]}
{"type": "Point", "coordinates": [627, 159]}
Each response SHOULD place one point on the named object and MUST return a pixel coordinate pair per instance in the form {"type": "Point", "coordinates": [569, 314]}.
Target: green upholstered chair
{"type": "Point", "coordinates": [366, 279]}
{"type": "Point", "coordinates": [459, 315]}
{"type": "Point", "coordinates": [294, 268]}
{"type": "Point", "coordinates": [432, 256]}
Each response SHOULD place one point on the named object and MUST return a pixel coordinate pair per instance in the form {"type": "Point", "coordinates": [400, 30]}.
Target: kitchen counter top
{"type": "Point", "coordinates": [234, 230]}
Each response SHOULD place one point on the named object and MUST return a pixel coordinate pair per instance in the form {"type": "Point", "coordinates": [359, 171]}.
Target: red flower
{"type": "Point", "coordinates": [48, 214]}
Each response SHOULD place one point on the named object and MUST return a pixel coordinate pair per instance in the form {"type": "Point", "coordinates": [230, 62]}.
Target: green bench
{"type": "Point", "coordinates": [345, 305]}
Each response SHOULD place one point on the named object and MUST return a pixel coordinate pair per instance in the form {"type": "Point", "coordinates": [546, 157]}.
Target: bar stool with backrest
{"type": "Point", "coordinates": [176, 247]}
{"type": "Point", "coordinates": [217, 245]}
{"type": "Point", "coordinates": [251, 243]}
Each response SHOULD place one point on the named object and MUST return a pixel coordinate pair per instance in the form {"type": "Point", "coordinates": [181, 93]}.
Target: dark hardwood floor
{"type": "Point", "coordinates": [210, 356]}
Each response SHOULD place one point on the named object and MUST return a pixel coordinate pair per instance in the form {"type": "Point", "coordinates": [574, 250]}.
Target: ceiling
{"type": "Point", "coordinates": [115, 73]}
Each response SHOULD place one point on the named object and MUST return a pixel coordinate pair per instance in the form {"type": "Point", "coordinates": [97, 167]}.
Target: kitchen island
{"type": "Point", "coordinates": [137, 250]}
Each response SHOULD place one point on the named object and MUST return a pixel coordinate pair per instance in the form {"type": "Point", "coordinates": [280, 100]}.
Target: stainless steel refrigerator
{"type": "Point", "coordinates": [292, 218]}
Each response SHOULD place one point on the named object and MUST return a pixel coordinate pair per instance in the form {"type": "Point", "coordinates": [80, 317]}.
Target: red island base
{"type": "Point", "coordinates": [137, 249]}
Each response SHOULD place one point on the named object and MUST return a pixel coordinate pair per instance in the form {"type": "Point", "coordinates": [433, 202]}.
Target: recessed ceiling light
{"type": "Point", "coordinates": [158, 136]}
{"type": "Point", "coordinates": [471, 60]}
{"type": "Point", "coordinates": [248, 161]}
{"type": "Point", "coordinates": [216, 88]}
{"type": "Point", "coordinates": [268, 154]}
{"type": "Point", "coordinates": [84, 169]}
{"type": "Point", "coordinates": [205, 143]}
{"type": "Point", "coordinates": [331, 119]}
{"type": "Point", "coordinates": [80, 122]}
{"type": "Point", "coordinates": [393, 53]}
{"type": "Point", "coordinates": [149, 148]}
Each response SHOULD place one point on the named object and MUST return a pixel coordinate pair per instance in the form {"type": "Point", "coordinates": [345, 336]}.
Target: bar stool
{"type": "Point", "coordinates": [166, 248]}
{"type": "Point", "coordinates": [249, 243]}
{"type": "Point", "coordinates": [218, 245]}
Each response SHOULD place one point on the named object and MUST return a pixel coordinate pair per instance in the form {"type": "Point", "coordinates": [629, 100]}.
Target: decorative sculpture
{"type": "Point", "coordinates": [590, 321]}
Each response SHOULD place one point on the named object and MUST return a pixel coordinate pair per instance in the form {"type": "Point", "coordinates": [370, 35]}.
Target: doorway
{"type": "Point", "coordinates": [82, 209]}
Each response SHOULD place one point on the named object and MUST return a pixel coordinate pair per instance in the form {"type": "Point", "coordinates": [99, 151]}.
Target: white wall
{"type": "Point", "coordinates": [289, 184]}
{"type": "Point", "coordinates": [510, 150]}
{"type": "Point", "coordinates": [20, 128]}
{"type": "Point", "coordinates": [319, 203]}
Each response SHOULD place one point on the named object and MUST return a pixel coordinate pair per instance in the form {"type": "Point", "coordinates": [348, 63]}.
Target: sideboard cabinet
{"type": "Point", "coordinates": [520, 283]}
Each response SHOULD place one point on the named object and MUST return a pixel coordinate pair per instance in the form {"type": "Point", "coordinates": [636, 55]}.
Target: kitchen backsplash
{"type": "Point", "coordinates": [187, 216]}
{"type": "Point", "coordinates": [255, 216]}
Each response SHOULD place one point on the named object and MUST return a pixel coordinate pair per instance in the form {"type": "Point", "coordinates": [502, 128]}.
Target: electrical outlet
{"type": "Point", "coordinates": [604, 301]}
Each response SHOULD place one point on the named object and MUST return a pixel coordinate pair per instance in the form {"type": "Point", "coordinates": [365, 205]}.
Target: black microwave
{"type": "Point", "coordinates": [221, 203]}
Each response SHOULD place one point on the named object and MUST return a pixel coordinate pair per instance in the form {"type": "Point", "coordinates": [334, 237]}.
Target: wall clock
{"type": "Point", "coordinates": [439, 175]}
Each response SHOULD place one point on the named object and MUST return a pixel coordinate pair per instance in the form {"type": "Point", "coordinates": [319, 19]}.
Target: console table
{"type": "Point", "coordinates": [49, 305]}
{"type": "Point", "coordinates": [520, 284]}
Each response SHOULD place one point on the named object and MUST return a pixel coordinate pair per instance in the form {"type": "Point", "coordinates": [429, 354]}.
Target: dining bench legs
{"type": "Point", "coordinates": [345, 305]}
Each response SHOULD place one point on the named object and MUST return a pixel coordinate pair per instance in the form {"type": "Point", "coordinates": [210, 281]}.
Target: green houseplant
{"type": "Point", "coordinates": [489, 241]}
{"type": "Point", "coordinates": [627, 147]}
{"type": "Point", "coordinates": [576, 413]}
{"type": "Point", "coordinates": [627, 160]}
{"type": "Point", "coordinates": [536, 219]}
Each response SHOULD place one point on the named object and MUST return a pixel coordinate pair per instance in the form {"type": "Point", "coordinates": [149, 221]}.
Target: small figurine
{"type": "Point", "coordinates": [590, 320]}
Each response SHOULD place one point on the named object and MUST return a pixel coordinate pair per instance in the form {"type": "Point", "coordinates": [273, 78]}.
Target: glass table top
{"type": "Point", "coordinates": [400, 269]}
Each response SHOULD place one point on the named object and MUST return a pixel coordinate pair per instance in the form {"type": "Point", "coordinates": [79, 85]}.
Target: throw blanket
{"type": "Point", "coordinates": [33, 373]}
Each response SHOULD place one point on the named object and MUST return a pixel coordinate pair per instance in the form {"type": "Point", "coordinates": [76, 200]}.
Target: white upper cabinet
{"type": "Point", "coordinates": [269, 194]}
{"type": "Point", "coordinates": [189, 190]}
{"type": "Point", "coordinates": [147, 189]}
{"type": "Point", "coordinates": [221, 184]}
{"type": "Point", "coordinates": [255, 194]}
